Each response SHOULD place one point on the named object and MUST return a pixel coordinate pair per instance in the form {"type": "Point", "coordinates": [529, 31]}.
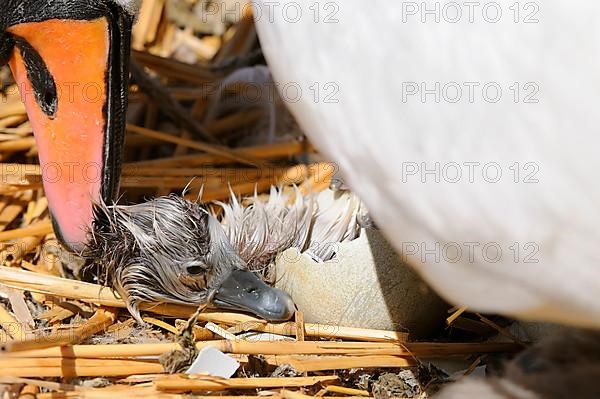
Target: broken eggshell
{"type": "Point", "coordinates": [366, 285]}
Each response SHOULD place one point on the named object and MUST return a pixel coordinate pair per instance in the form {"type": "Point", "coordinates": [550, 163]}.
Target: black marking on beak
{"type": "Point", "coordinates": [243, 290]}
{"type": "Point", "coordinates": [116, 107]}
{"type": "Point", "coordinates": [7, 44]}
{"type": "Point", "coordinates": [42, 82]}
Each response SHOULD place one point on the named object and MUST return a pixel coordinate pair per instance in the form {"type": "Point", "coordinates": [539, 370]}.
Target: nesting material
{"type": "Point", "coordinates": [71, 339]}
{"type": "Point", "coordinates": [564, 365]}
{"type": "Point", "coordinates": [401, 385]}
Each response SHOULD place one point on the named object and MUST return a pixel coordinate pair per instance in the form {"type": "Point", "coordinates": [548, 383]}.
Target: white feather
{"type": "Point", "coordinates": [313, 223]}
{"type": "Point", "coordinates": [372, 134]}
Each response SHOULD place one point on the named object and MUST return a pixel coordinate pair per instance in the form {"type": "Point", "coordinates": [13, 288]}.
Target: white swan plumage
{"type": "Point", "coordinates": [377, 133]}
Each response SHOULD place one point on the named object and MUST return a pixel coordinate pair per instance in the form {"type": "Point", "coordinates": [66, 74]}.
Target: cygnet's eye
{"type": "Point", "coordinates": [196, 268]}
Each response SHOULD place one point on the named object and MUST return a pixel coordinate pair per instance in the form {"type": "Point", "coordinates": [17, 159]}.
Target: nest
{"type": "Point", "coordinates": [189, 126]}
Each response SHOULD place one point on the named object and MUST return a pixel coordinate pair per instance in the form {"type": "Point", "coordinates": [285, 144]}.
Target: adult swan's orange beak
{"type": "Point", "coordinates": [70, 62]}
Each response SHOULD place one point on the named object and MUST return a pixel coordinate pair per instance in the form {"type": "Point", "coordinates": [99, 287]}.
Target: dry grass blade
{"type": "Point", "coordinates": [77, 367]}
{"type": "Point", "coordinates": [209, 148]}
{"type": "Point", "coordinates": [407, 350]}
{"type": "Point", "coordinates": [9, 324]}
{"type": "Point", "coordinates": [36, 229]}
{"type": "Point", "coordinates": [191, 384]}
{"type": "Point", "coordinates": [268, 151]}
{"type": "Point", "coordinates": [17, 145]}
{"type": "Point", "coordinates": [98, 322]}
{"type": "Point", "coordinates": [346, 391]}
{"type": "Point", "coordinates": [322, 363]}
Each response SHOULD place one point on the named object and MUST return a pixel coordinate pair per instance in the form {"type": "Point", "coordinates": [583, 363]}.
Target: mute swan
{"type": "Point", "coordinates": [472, 139]}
